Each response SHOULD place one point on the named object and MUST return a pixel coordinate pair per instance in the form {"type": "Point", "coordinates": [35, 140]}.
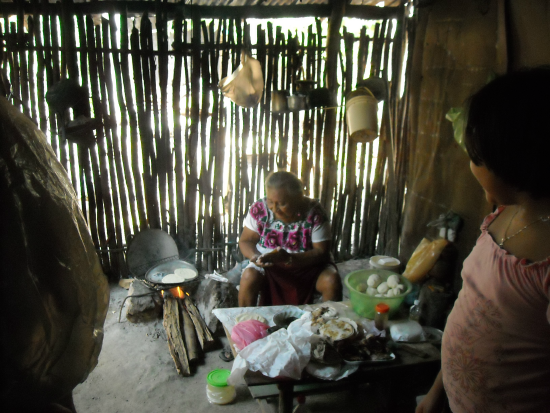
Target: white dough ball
{"type": "Point", "coordinates": [383, 288]}
{"type": "Point", "coordinates": [372, 291]}
{"type": "Point", "coordinates": [400, 287]}
{"type": "Point", "coordinates": [396, 291]}
{"type": "Point", "coordinates": [392, 281]}
{"type": "Point", "coordinates": [390, 293]}
{"type": "Point", "coordinates": [374, 280]}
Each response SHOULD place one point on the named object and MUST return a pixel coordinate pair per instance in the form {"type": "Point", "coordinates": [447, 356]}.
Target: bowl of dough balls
{"type": "Point", "coordinates": [370, 287]}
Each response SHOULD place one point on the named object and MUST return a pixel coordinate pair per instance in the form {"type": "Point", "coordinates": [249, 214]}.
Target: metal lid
{"type": "Point", "coordinates": [149, 248]}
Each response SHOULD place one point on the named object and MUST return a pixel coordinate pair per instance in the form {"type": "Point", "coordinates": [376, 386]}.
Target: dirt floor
{"type": "Point", "coordinates": [136, 373]}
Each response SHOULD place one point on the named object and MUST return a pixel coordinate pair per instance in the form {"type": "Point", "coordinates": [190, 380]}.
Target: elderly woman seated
{"type": "Point", "coordinates": [286, 237]}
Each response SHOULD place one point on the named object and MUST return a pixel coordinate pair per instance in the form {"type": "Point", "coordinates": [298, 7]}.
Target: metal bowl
{"type": "Point", "coordinates": [157, 273]}
{"type": "Point", "coordinates": [279, 101]}
{"type": "Point", "coordinates": [296, 102]}
{"type": "Point", "coordinates": [281, 319]}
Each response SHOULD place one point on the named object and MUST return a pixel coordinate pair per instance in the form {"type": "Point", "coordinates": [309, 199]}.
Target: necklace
{"type": "Point", "coordinates": [505, 238]}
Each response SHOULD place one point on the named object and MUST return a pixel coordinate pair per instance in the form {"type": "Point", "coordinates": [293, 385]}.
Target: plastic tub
{"type": "Point", "coordinates": [217, 389]}
{"type": "Point", "coordinates": [364, 304]}
{"type": "Point", "coordinates": [362, 118]}
{"type": "Point", "coordinates": [384, 262]}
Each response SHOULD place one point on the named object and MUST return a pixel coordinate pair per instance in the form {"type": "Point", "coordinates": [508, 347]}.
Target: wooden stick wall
{"type": "Point", "coordinates": [174, 154]}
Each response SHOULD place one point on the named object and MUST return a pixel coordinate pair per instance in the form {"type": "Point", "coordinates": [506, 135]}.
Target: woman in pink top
{"type": "Point", "coordinates": [496, 346]}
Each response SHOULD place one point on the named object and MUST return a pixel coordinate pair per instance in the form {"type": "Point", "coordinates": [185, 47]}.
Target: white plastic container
{"type": "Point", "coordinates": [362, 118]}
{"type": "Point", "coordinates": [217, 389]}
{"type": "Point", "coordinates": [384, 262]}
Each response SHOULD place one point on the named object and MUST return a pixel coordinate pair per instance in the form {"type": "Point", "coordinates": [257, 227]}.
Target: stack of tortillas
{"type": "Point", "coordinates": [337, 329]}
{"type": "Point", "coordinates": [250, 316]}
{"type": "Point", "coordinates": [180, 275]}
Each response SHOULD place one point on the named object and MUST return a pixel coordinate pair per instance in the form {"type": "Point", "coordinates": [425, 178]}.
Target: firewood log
{"type": "Point", "coordinates": [171, 324]}
{"type": "Point", "coordinates": [189, 334]}
{"type": "Point", "coordinates": [203, 333]}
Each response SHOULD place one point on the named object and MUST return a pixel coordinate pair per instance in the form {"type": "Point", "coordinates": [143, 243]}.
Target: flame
{"type": "Point", "coordinates": [177, 292]}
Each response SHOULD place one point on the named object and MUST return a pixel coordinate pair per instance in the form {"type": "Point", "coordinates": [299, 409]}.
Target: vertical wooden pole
{"type": "Point", "coordinates": [178, 147]}
{"type": "Point", "coordinates": [333, 47]}
{"type": "Point", "coordinates": [101, 183]}
{"type": "Point", "coordinates": [118, 185]}
{"type": "Point", "coordinates": [133, 113]}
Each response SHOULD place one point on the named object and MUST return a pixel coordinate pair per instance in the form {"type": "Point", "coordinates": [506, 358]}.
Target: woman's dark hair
{"type": "Point", "coordinates": [508, 129]}
{"type": "Point", "coordinates": [286, 180]}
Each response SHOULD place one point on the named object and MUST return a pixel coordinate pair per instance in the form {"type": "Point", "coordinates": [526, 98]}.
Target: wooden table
{"type": "Point", "coordinates": [410, 374]}
{"type": "Point", "coordinates": [405, 377]}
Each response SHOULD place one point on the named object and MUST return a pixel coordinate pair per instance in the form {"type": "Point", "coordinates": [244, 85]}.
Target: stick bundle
{"type": "Point", "coordinates": [171, 324]}
{"type": "Point", "coordinates": [185, 329]}
{"type": "Point", "coordinates": [173, 153]}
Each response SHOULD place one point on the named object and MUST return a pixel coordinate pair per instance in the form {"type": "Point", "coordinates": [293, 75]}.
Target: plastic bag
{"type": "Point", "coordinates": [410, 331]}
{"type": "Point", "coordinates": [247, 332]}
{"type": "Point", "coordinates": [245, 85]}
{"type": "Point", "coordinates": [457, 118]}
{"type": "Point", "coordinates": [424, 258]}
{"type": "Point", "coordinates": [285, 353]}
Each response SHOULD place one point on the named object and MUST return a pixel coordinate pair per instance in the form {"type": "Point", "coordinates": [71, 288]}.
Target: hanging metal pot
{"type": "Point", "coordinates": [297, 102]}
{"type": "Point", "coordinates": [279, 101]}
{"type": "Point", "coordinates": [321, 97]}
{"type": "Point", "coordinates": [304, 86]}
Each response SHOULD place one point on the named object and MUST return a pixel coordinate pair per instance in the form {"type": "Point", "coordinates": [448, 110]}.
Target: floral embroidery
{"type": "Point", "coordinates": [467, 370]}
{"type": "Point", "coordinates": [468, 379]}
{"type": "Point", "coordinates": [315, 219]}
{"type": "Point", "coordinates": [488, 317]}
{"type": "Point", "coordinates": [293, 241]}
{"type": "Point", "coordinates": [258, 211]}
{"type": "Point", "coordinates": [273, 239]}
{"type": "Point", "coordinates": [295, 237]}
{"type": "Point", "coordinates": [464, 335]}
{"type": "Point", "coordinates": [306, 239]}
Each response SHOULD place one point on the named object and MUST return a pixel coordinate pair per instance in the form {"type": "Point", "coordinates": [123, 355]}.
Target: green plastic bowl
{"type": "Point", "coordinates": [364, 304]}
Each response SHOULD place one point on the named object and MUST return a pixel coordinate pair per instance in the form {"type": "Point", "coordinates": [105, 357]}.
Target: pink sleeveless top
{"type": "Point", "coordinates": [496, 346]}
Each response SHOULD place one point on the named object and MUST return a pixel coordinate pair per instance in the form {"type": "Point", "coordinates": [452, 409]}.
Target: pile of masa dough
{"type": "Point", "coordinates": [378, 288]}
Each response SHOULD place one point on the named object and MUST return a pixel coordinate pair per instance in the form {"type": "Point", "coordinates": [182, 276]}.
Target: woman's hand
{"type": "Point", "coordinates": [276, 257]}
{"type": "Point", "coordinates": [434, 401]}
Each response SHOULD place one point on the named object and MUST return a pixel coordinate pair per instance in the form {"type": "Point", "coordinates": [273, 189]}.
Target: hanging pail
{"type": "Point", "coordinates": [362, 118]}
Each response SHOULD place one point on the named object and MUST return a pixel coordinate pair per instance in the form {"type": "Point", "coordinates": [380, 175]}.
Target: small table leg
{"type": "Point", "coordinates": [286, 393]}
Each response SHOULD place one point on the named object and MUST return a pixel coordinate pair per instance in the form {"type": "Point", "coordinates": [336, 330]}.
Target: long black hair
{"type": "Point", "coordinates": [508, 129]}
